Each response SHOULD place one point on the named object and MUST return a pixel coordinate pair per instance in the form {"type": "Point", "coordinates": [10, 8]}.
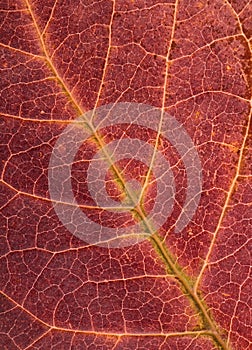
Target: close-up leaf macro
{"type": "Point", "coordinates": [126, 174]}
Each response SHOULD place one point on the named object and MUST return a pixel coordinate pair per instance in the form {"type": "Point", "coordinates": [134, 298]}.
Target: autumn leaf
{"type": "Point", "coordinates": [126, 187]}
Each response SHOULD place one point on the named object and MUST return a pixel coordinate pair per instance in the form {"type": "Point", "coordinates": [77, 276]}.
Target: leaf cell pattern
{"type": "Point", "coordinates": [173, 290]}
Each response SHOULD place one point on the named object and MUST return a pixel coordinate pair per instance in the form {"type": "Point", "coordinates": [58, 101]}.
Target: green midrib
{"type": "Point", "coordinates": [161, 249]}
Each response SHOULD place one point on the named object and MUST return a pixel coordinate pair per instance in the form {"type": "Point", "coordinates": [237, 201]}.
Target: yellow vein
{"type": "Point", "coordinates": [238, 19]}
{"type": "Point", "coordinates": [51, 65]}
{"type": "Point", "coordinates": [30, 346]}
{"type": "Point", "coordinates": [106, 60]}
{"type": "Point", "coordinates": [67, 121]}
{"type": "Point", "coordinates": [163, 103]}
{"type": "Point", "coordinates": [76, 105]}
{"type": "Point", "coordinates": [228, 198]}
{"type": "Point", "coordinates": [84, 206]}
{"type": "Point", "coordinates": [99, 333]}
{"type": "Point", "coordinates": [155, 239]}
{"type": "Point", "coordinates": [188, 288]}
{"type": "Point", "coordinates": [22, 51]}
{"type": "Point", "coordinates": [49, 19]}
{"type": "Point", "coordinates": [208, 45]}
{"type": "Point", "coordinates": [33, 120]}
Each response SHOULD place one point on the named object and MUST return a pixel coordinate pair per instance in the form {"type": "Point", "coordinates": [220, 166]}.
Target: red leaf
{"type": "Point", "coordinates": [126, 174]}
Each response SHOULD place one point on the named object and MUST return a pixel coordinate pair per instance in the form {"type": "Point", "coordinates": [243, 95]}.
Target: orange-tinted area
{"type": "Point", "coordinates": [174, 291]}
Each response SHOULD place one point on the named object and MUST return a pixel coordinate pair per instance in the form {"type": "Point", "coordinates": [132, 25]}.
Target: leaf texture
{"type": "Point", "coordinates": [172, 290]}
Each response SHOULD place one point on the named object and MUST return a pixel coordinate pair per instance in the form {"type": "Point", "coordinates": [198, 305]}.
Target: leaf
{"type": "Point", "coordinates": [90, 82]}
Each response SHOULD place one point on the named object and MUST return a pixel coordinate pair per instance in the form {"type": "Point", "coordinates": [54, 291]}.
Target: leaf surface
{"type": "Point", "coordinates": [172, 290]}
